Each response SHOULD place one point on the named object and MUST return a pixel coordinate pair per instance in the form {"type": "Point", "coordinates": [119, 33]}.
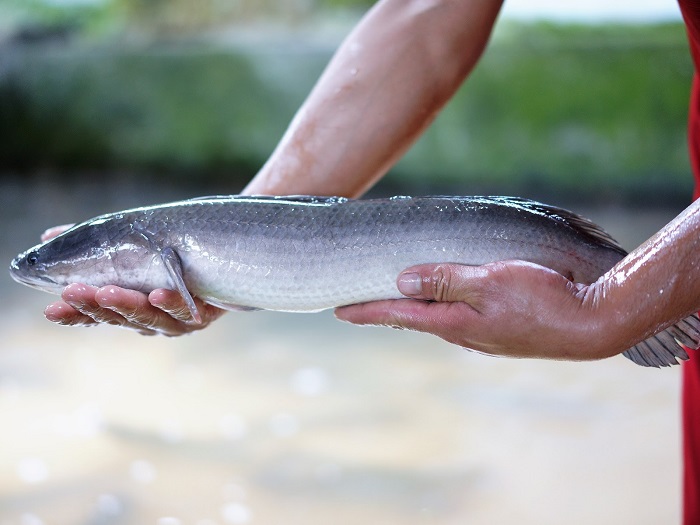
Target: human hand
{"type": "Point", "coordinates": [513, 309]}
{"type": "Point", "coordinates": [160, 312]}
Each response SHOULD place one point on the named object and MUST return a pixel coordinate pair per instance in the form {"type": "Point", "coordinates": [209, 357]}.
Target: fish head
{"type": "Point", "coordinates": [98, 252]}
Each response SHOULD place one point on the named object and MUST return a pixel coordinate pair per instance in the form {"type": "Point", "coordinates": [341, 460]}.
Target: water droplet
{"type": "Point", "coordinates": [354, 47]}
{"type": "Point", "coordinates": [32, 470]}
{"type": "Point", "coordinates": [236, 513]}
{"type": "Point", "coordinates": [142, 471]}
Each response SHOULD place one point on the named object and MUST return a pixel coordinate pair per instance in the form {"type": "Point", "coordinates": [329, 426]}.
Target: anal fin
{"type": "Point", "coordinates": [231, 307]}
{"type": "Point", "coordinates": [667, 347]}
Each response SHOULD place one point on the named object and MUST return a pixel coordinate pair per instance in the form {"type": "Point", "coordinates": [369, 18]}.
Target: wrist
{"type": "Point", "coordinates": [611, 326]}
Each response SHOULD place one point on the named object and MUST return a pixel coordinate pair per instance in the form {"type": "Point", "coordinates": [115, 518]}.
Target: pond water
{"type": "Point", "coordinates": [299, 419]}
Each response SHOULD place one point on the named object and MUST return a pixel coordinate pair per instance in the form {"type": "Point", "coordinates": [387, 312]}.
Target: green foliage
{"type": "Point", "coordinates": [568, 106]}
{"type": "Point", "coordinates": [167, 17]}
{"type": "Point", "coordinates": [577, 109]}
{"type": "Point", "coordinates": [88, 17]}
{"type": "Point", "coordinates": [162, 17]}
{"type": "Point", "coordinates": [346, 4]}
{"type": "Point", "coordinates": [171, 109]}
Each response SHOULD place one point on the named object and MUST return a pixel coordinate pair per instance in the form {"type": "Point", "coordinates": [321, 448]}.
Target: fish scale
{"type": "Point", "coordinates": [306, 253]}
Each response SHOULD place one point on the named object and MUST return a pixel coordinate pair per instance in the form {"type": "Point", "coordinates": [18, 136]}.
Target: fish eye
{"type": "Point", "coordinates": [32, 258]}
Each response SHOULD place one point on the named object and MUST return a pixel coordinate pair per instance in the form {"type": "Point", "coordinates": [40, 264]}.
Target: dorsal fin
{"type": "Point", "coordinates": [291, 199]}
{"type": "Point", "coordinates": [584, 226]}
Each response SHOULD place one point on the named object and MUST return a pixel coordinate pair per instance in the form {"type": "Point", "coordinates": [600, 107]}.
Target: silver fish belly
{"type": "Point", "coordinates": [309, 253]}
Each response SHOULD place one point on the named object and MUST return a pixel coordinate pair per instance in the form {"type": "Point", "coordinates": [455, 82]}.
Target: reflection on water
{"type": "Point", "coordinates": [300, 419]}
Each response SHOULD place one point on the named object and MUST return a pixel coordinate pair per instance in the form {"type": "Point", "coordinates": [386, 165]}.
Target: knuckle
{"type": "Point", "coordinates": [497, 270]}
{"type": "Point", "coordinates": [498, 274]}
{"type": "Point", "coordinates": [102, 316]}
{"type": "Point", "coordinates": [140, 318]}
{"type": "Point", "coordinates": [440, 282]}
{"type": "Point", "coordinates": [181, 313]}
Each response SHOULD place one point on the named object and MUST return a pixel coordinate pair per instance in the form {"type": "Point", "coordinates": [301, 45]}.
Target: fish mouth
{"type": "Point", "coordinates": [24, 274]}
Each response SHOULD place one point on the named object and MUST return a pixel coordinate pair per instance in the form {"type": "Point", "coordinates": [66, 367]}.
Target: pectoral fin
{"type": "Point", "coordinates": [174, 266]}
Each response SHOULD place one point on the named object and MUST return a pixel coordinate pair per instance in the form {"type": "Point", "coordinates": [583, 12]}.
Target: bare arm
{"type": "Point", "coordinates": [382, 88]}
{"type": "Point", "coordinates": [657, 285]}
{"type": "Point", "coordinates": [520, 309]}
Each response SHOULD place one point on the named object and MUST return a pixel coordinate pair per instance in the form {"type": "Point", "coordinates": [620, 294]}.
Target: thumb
{"type": "Point", "coordinates": [441, 282]}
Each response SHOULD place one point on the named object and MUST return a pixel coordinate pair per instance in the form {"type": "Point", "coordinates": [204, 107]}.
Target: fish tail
{"type": "Point", "coordinates": [665, 348]}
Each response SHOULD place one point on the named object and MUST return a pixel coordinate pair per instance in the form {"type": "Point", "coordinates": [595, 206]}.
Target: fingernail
{"type": "Point", "coordinates": [410, 284]}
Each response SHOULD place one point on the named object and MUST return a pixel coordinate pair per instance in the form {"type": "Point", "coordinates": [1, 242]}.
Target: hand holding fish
{"type": "Point", "coordinates": [510, 309]}
{"type": "Point", "coordinates": [520, 309]}
{"type": "Point", "coordinates": [160, 312]}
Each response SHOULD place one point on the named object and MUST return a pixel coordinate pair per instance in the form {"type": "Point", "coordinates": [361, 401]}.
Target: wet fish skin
{"type": "Point", "coordinates": [307, 254]}
{"type": "Point", "coordinates": [311, 253]}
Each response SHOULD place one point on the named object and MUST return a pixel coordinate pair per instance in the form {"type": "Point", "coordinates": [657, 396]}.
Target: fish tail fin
{"type": "Point", "coordinates": [665, 348]}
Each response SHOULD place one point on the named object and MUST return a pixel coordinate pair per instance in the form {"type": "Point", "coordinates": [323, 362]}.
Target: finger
{"type": "Point", "coordinates": [62, 313]}
{"type": "Point", "coordinates": [82, 298]}
{"type": "Point", "coordinates": [53, 232]}
{"type": "Point", "coordinates": [174, 305]}
{"type": "Point", "coordinates": [442, 282]}
{"type": "Point", "coordinates": [138, 311]}
{"type": "Point", "coordinates": [378, 313]}
{"type": "Point", "coordinates": [170, 302]}
{"type": "Point", "coordinates": [409, 314]}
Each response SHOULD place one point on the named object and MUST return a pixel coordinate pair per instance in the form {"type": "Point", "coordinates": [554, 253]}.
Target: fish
{"type": "Point", "coordinates": [308, 253]}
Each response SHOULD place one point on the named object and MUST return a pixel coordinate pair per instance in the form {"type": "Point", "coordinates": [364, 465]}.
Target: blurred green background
{"type": "Point", "coordinates": [201, 91]}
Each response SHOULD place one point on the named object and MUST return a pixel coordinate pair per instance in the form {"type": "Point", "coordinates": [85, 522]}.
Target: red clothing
{"type": "Point", "coordinates": [691, 368]}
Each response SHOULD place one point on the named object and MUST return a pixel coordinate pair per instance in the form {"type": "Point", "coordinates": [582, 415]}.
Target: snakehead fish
{"type": "Point", "coordinates": [305, 253]}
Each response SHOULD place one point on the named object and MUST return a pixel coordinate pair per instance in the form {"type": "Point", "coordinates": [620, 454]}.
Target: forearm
{"type": "Point", "coordinates": [655, 286]}
{"type": "Point", "coordinates": [383, 87]}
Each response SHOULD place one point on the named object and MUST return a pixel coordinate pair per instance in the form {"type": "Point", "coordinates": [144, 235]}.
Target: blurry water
{"type": "Point", "coordinates": [299, 419]}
